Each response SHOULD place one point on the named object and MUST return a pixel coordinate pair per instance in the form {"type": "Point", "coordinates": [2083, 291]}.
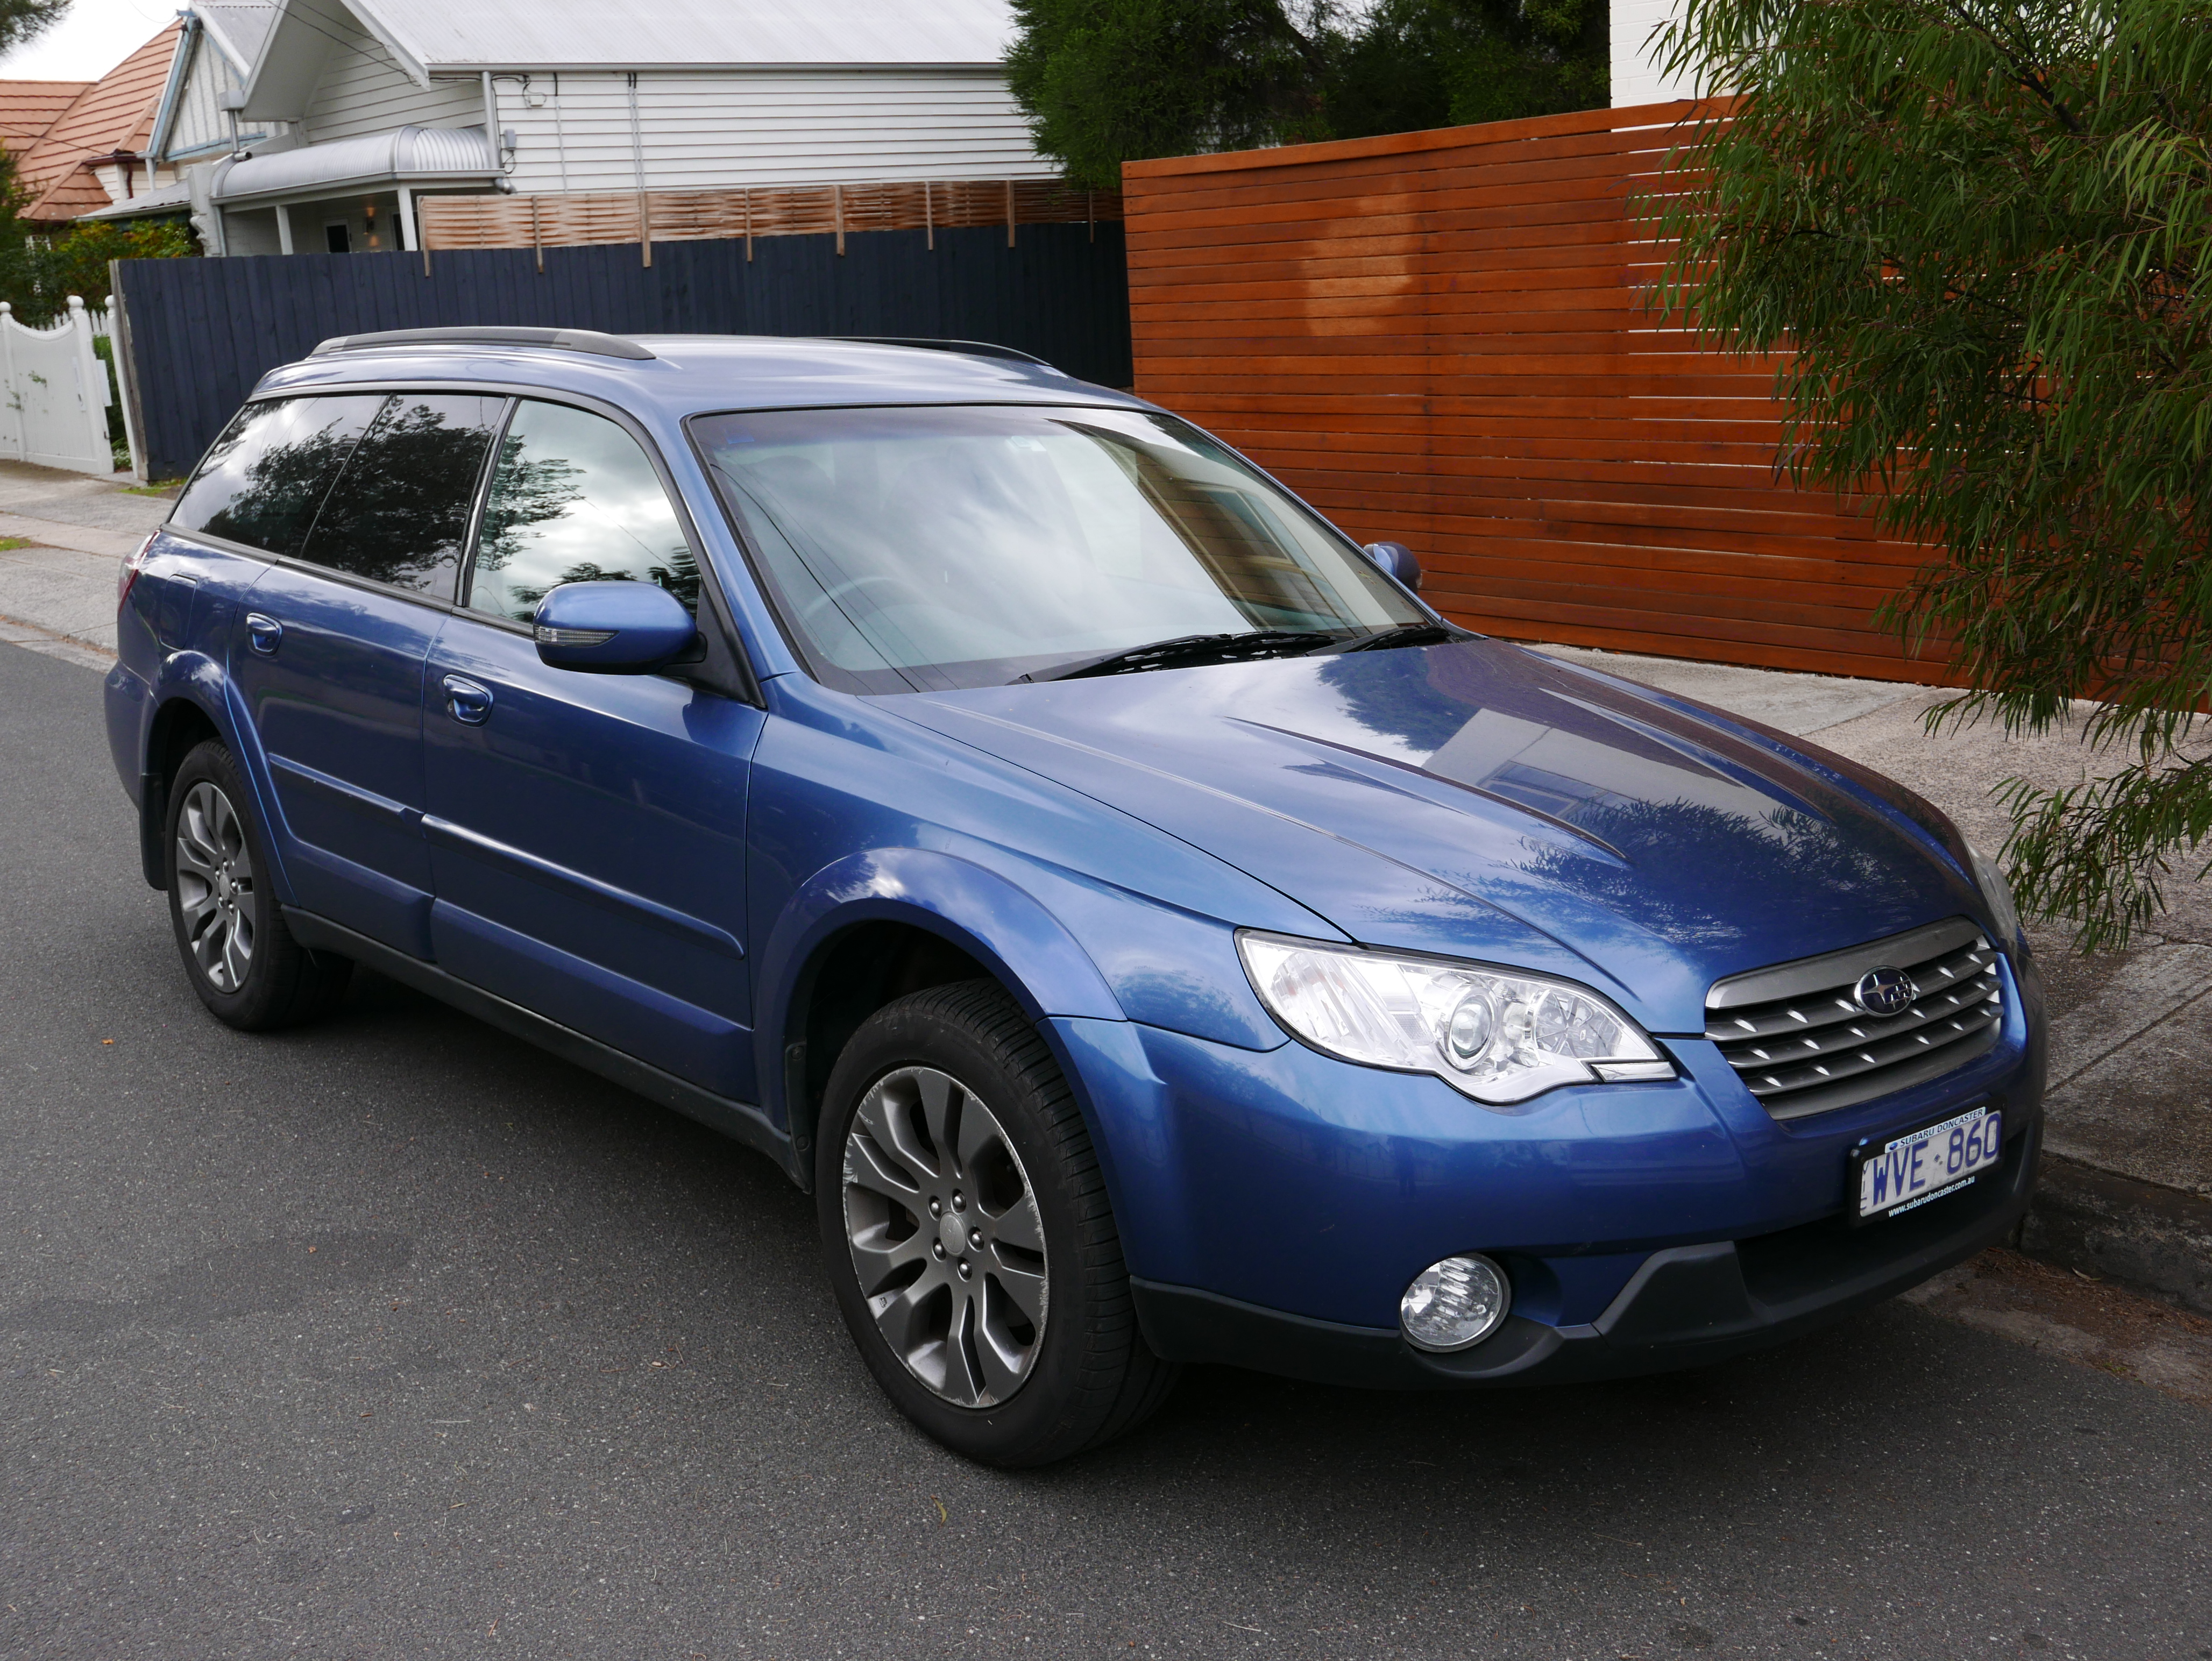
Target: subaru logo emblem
{"type": "Point", "coordinates": [1885, 991]}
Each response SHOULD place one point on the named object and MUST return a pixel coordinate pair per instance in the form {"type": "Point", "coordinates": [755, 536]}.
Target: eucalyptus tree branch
{"type": "Point", "coordinates": [2023, 74]}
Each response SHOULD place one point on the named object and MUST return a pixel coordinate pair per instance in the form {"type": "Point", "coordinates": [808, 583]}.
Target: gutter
{"type": "Point", "coordinates": [378, 182]}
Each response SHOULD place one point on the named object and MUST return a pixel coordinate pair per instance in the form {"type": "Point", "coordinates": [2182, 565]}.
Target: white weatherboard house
{"type": "Point", "coordinates": [315, 125]}
{"type": "Point", "coordinates": [1638, 73]}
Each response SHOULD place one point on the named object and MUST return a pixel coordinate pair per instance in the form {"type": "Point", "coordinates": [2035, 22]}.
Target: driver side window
{"type": "Point", "coordinates": [574, 500]}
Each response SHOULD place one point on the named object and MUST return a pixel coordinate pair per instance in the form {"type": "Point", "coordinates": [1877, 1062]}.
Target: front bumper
{"type": "Point", "coordinates": [1274, 1205]}
{"type": "Point", "coordinates": [1686, 1305]}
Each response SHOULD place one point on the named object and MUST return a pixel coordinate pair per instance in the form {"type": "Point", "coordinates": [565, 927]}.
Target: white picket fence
{"type": "Point", "coordinates": [54, 392]}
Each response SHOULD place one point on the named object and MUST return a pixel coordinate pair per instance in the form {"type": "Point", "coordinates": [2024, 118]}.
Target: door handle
{"type": "Point", "coordinates": [467, 702]}
{"type": "Point", "coordinates": [264, 633]}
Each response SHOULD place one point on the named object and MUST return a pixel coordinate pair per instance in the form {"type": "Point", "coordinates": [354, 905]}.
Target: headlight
{"type": "Point", "coordinates": [1991, 881]}
{"type": "Point", "coordinates": [1499, 1035]}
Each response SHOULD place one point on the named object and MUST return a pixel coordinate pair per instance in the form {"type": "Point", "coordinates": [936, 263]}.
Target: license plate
{"type": "Point", "coordinates": [1901, 1175]}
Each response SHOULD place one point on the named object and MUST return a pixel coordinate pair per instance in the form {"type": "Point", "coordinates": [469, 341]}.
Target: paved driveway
{"type": "Point", "coordinates": [394, 1338]}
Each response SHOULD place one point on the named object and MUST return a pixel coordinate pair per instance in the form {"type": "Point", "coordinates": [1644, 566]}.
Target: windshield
{"type": "Point", "coordinates": [927, 549]}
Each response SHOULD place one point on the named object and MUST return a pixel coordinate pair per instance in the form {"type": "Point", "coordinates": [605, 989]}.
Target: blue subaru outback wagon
{"type": "Point", "coordinates": [1149, 932]}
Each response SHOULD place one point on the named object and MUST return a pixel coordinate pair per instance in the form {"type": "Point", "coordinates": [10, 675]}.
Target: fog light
{"type": "Point", "coordinates": [1455, 1304]}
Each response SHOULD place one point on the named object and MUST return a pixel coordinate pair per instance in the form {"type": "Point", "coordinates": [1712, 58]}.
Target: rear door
{"type": "Point", "coordinates": [587, 832]}
{"type": "Point", "coordinates": [363, 499]}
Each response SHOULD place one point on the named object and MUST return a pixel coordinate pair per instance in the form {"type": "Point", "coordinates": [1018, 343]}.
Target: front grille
{"type": "Point", "coordinates": [1803, 1045]}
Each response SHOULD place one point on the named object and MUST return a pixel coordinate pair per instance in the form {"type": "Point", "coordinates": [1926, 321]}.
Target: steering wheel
{"type": "Point", "coordinates": [876, 590]}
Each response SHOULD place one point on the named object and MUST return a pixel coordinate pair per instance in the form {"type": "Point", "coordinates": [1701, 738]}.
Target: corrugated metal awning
{"type": "Point", "coordinates": [411, 155]}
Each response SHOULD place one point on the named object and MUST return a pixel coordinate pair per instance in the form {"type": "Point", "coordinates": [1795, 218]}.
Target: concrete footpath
{"type": "Point", "coordinates": [57, 587]}
{"type": "Point", "coordinates": [2127, 1188]}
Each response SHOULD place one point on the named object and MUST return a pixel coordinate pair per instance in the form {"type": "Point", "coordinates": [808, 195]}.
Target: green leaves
{"type": "Point", "coordinates": [2099, 853]}
{"type": "Point", "coordinates": [26, 20]}
{"type": "Point", "coordinates": [1105, 81]}
{"type": "Point", "coordinates": [1981, 230]}
{"type": "Point", "coordinates": [1109, 80]}
{"type": "Point", "coordinates": [40, 278]}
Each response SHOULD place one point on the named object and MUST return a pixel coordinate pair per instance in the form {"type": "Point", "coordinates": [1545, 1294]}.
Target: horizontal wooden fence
{"type": "Point", "coordinates": [552, 221]}
{"type": "Point", "coordinates": [1443, 338]}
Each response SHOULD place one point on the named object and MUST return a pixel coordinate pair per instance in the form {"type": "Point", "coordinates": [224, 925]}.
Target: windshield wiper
{"type": "Point", "coordinates": [1190, 650]}
{"type": "Point", "coordinates": [1408, 635]}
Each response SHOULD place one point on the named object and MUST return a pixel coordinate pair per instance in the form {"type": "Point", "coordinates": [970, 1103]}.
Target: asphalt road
{"type": "Point", "coordinates": [394, 1338]}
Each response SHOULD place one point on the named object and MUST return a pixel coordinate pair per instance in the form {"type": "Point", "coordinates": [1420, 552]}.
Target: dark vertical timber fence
{"type": "Point", "coordinates": [203, 331]}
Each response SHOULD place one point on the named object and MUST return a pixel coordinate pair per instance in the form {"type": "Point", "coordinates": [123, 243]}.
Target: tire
{"type": "Point", "coordinates": [1034, 1355]}
{"type": "Point", "coordinates": [238, 953]}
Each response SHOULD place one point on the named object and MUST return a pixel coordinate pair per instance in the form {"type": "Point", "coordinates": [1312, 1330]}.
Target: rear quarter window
{"type": "Point", "coordinates": [266, 479]}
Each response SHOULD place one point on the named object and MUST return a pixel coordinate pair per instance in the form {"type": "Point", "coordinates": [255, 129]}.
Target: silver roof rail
{"type": "Point", "coordinates": [974, 348]}
{"type": "Point", "coordinates": [562, 340]}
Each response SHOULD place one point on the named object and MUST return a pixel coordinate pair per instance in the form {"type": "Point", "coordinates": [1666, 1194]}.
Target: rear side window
{"type": "Point", "coordinates": [399, 512]}
{"type": "Point", "coordinates": [268, 473]}
{"type": "Point", "coordinates": [574, 500]}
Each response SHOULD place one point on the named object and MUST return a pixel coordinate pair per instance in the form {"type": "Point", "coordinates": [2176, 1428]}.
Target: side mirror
{"type": "Point", "coordinates": [1397, 559]}
{"type": "Point", "coordinates": [611, 627]}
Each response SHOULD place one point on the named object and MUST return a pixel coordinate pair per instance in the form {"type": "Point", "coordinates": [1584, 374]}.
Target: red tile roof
{"type": "Point", "coordinates": [115, 112]}
{"type": "Point", "coordinates": [28, 108]}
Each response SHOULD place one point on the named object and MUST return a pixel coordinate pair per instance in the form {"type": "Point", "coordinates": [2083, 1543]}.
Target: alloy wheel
{"type": "Point", "coordinates": [946, 1236]}
{"type": "Point", "coordinates": [214, 886]}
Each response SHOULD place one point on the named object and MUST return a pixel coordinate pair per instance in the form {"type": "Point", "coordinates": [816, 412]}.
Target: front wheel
{"type": "Point", "coordinates": [239, 955]}
{"type": "Point", "coordinates": [966, 1230]}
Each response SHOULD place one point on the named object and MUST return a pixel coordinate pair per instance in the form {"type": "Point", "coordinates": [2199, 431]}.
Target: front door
{"type": "Point", "coordinates": [587, 832]}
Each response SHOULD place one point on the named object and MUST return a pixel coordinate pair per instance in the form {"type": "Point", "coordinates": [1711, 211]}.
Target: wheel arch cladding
{"type": "Point", "coordinates": [875, 926]}
{"type": "Point", "coordinates": [179, 725]}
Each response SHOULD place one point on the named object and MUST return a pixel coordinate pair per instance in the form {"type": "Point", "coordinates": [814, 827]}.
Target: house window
{"type": "Point", "coordinates": [338, 238]}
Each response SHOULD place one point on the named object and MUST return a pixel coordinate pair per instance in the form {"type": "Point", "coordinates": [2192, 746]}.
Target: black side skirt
{"type": "Point", "coordinates": [740, 1121]}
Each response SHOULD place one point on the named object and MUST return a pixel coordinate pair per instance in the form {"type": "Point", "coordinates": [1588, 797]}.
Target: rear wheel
{"type": "Point", "coordinates": [239, 955]}
{"type": "Point", "coordinates": [966, 1230]}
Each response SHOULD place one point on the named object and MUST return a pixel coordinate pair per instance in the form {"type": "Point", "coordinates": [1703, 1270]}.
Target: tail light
{"type": "Point", "coordinates": [133, 563]}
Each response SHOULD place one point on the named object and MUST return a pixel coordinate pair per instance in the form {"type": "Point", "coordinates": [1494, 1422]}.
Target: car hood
{"type": "Point", "coordinates": [1482, 801]}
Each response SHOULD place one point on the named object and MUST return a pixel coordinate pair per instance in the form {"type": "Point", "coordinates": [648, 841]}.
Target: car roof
{"type": "Point", "coordinates": [689, 374]}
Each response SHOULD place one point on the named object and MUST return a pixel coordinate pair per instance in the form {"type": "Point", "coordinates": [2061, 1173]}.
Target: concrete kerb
{"type": "Point", "coordinates": [2127, 1182]}
{"type": "Point", "coordinates": [14, 631]}
{"type": "Point", "coordinates": [57, 591]}
{"type": "Point", "coordinates": [2121, 1228]}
